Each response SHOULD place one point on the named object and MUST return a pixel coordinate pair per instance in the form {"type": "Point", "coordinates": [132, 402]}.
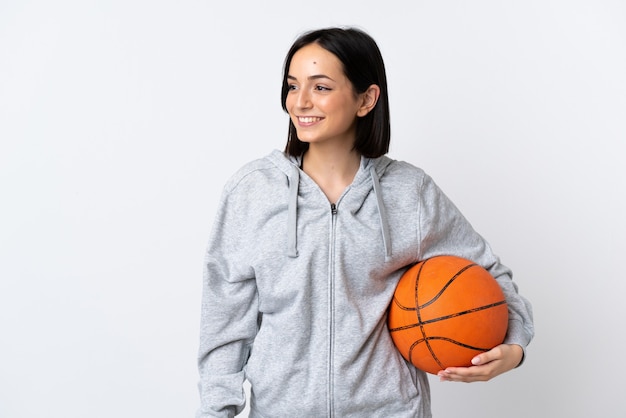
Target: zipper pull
{"type": "Point", "coordinates": [333, 208]}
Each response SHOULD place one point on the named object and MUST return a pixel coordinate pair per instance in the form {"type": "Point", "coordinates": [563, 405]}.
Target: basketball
{"type": "Point", "coordinates": [445, 311]}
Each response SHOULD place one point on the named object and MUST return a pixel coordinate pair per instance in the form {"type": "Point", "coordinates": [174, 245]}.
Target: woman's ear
{"type": "Point", "coordinates": [368, 100]}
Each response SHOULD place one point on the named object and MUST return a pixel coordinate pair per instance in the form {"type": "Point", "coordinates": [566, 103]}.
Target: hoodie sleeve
{"type": "Point", "coordinates": [444, 230]}
{"type": "Point", "coordinates": [229, 314]}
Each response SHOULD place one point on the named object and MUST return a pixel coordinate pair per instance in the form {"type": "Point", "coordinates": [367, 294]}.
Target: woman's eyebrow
{"type": "Point", "coordinates": [312, 77]}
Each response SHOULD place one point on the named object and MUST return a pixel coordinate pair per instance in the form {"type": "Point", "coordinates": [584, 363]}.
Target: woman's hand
{"type": "Point", "coordinates": [486, 366]}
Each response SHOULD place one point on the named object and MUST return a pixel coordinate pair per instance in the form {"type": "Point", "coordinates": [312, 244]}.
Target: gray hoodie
{"type": "Point", "coordinates": [295, 292]}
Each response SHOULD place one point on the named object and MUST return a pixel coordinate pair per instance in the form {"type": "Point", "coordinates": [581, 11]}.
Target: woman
{"type": "Point", "coordinates": [309, 244]}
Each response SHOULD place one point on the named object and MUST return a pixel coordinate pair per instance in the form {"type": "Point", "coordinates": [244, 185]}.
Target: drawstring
{"type": "Point", "coordinates": [382, 214]}
{"type": "Point", "coordinates": [292, 249]}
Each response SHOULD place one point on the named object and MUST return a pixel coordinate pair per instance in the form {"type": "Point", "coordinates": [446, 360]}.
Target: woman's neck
{"type": "Point", "coordinates": [333, 170]}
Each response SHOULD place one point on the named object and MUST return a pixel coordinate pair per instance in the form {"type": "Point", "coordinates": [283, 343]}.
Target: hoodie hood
{"type": "Point", "coordinates": [367, 177]}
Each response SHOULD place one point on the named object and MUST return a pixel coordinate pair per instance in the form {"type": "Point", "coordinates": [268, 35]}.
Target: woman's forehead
{"type": "Point", "coordinates": [312, 60]}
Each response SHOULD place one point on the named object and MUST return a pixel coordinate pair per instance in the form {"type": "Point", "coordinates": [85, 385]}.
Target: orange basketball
{"type": "Point", "coordinates": [445, 311]}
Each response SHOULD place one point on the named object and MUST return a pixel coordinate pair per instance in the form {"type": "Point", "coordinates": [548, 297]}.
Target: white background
{"type": "Point", "coordinates": [120, 121]}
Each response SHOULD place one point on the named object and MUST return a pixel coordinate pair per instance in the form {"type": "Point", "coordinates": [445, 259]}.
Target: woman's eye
{"type": "Point", "coordinates": [322, 88]}
{"type": "Point", "coordinates": [291, 87]}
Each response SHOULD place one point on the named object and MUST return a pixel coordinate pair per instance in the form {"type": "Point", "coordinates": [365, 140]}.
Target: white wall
{"type": "Point", "coordinates": [121, 120]}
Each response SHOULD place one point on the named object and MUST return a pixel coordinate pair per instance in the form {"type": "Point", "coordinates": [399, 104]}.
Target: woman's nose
{"type": "Point", "coordinates": [304, 99]}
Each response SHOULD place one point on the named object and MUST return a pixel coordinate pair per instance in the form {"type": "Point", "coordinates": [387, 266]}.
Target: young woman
{"type": "Point", "coordinates": [308, 246]}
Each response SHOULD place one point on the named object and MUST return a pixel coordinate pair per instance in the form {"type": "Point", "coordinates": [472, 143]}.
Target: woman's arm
{"type": "Point", "coordinates": [229, 317]}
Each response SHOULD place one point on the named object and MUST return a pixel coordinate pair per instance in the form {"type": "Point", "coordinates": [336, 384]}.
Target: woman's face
{"type": "Point", "coordinates": [321, 100]}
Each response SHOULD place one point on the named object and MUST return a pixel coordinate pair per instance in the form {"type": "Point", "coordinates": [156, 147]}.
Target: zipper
{"type": "Point", "coordinates": [331, 313]}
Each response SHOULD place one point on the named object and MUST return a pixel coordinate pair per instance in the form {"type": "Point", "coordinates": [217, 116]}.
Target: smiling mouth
{"type": "Point", "coordinates": [308, 119]}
